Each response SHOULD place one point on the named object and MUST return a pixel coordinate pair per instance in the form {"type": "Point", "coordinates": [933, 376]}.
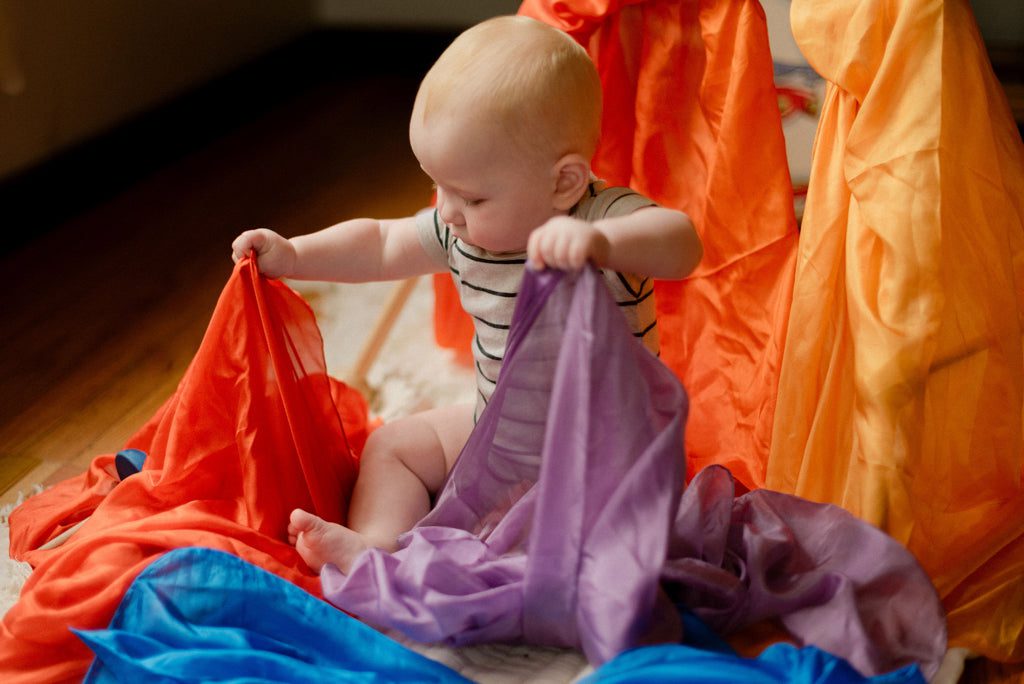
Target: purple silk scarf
{"type": "Point", "coordinates": [565, 514]}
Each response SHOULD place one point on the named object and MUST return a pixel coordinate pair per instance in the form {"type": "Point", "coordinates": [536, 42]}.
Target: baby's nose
{"type": "Point", "coordinates": [449, 213]}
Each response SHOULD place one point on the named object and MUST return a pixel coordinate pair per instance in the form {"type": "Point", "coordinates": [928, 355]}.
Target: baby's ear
{"type": "Point", "coordinates": [572, 174]}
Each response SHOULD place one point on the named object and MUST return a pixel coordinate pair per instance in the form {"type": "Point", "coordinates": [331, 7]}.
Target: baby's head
{"type": "Point", "coordinates": [515, 98]}
{"type": "Point", "coordinates": [530, 80]}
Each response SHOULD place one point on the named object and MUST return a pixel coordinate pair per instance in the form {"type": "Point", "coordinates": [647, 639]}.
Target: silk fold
{"type": "Point", "coordinates": [564, 521]}
{"type": "Point", "coordinates": [255, 428]}
{"type": "Point", "coordinates": [691, 120]}
{"type": "Point", "coordinates": [902, 384]}
{"type": "Point", "coordinates": [202, 615]}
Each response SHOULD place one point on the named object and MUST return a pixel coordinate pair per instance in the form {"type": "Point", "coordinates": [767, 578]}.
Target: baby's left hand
{"type": "Point", "coordinates": [567, 243]}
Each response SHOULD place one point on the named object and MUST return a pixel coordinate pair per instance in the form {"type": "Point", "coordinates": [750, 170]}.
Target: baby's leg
{"type": "Point", "coordinates": [403, 464]}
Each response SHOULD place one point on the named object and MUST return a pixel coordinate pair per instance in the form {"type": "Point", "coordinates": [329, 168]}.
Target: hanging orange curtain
{"type": "Point", "coordinates": [902, 382]}
{"type": "Point", "coordinates": [691, 120]}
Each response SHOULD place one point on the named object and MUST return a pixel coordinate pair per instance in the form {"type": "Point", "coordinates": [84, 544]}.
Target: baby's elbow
{"type": "Point", "coordinates": [690, 249]}
{"type": "Point", "coordinates": [696, 250]}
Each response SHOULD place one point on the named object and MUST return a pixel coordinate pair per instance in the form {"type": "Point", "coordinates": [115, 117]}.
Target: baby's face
{"type": "Point", "coordinates": [489, 195]}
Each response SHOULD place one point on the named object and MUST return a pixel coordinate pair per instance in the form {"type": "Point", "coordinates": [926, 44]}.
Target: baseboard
{"type": "Point", "coordinates": [41, 197]}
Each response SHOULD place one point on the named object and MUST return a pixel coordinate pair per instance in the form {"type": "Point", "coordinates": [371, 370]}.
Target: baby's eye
{"type": "Point", "coordinates": [474, 202]}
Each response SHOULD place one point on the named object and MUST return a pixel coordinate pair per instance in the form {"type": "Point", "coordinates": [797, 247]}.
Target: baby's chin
{"type": "Point", "coordinates": [492, 247]}
{"type": "Point", "coordinates": [501, 249]}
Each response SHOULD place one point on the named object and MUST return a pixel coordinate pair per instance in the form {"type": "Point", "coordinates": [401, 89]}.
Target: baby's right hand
{"type": "Point", "coordinates": [275, 255]}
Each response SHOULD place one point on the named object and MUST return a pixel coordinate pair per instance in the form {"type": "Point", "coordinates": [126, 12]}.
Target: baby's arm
{"type": "Point", "coordinates": [653, 241]}
{"type": "Point", "coordinates": [355, 251]}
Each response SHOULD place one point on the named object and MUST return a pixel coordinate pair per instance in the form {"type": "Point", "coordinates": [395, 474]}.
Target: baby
{"type": "Point", "coordinates": [505, 123]}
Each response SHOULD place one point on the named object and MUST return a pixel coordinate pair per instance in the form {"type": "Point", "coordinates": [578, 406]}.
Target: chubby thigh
{"type": "Point", "coordinates": [403, 465]}
{"type": "Point", "coordinates": [426, 443]}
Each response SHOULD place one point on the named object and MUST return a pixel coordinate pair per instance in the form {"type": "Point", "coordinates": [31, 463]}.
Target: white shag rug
{"type": "Point", "coordinates": [12, 573]}
{"type": "Point", "coordinates": [410, 373]}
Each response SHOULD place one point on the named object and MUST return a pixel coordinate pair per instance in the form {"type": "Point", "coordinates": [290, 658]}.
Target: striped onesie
{"type": "Point", "coordinates": [488, 283]}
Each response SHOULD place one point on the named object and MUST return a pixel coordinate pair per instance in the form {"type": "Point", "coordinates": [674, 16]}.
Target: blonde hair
{"type": "Point", "coordinates": [534, 81]}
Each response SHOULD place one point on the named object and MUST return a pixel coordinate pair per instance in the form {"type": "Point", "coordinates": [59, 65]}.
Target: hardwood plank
{"type": "Point", "coordinates": [13, 469]}
{"type": "Point", "coordinates": [26, 486]}
{"type": "Point", "coordinates": [103, 334]}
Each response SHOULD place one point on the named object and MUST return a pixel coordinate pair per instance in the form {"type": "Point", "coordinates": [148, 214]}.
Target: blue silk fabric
{"type": "Point", "coordinates": [205, 615]}
{"type": "Point", "coordinates": [778, 664]}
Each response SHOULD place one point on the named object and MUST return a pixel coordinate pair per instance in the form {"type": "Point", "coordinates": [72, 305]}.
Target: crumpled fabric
{"type": "Point", "coordinates": [565, 511]}
{"type": "Point", "coordinates": [255, 428]}
{"type": "Point", "coordinates": [778, 664]}
{"type": "Point", "coordinates": [691, 120]}
{"type": "Point", "coordinates": [203, 615]}
{"type": "Point", "coordinates": [199, 615]}
{"type": "Point", "coordinates": [902, 385]}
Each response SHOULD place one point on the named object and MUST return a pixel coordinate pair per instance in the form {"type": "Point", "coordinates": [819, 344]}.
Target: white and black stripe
{"type": "Point", "coordinates": [489, 283]}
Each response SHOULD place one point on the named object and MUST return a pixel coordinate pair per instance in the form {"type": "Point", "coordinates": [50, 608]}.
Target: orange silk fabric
{"type": "Point", "coordinates": [691, 120]}
{"type": "Point", "coordinates": [255, 428]}
{"type": "Point", "coordinates": [902, 383]}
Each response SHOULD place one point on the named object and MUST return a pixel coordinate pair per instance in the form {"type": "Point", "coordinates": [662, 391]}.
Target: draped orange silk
{"type": "Point", "coordinates": [692, 121]}
{"type": "Point", "coordinates": [257, 392]}
{"type": "Point", "coordinates": [901, 390]}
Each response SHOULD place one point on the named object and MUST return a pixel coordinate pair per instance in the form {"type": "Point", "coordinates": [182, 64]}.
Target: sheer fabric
{"type": "Point", "coordinates": [902, 383]}
{"type": "Point", "coordinates": [565, 513]}
{"type": "Point", "coordinates": [255, 428]}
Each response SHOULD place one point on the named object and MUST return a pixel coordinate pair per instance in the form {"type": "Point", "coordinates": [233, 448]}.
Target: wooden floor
{"type": "Point", "coordinates": [103, 314]}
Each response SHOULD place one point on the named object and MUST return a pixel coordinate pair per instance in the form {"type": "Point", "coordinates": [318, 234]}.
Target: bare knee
{"type": "Point", "coordinates": [379, 445]}
{"type": "Point", "coordinates": [402, 446]}
{"type": "Point", "coordinates": [383, 448]}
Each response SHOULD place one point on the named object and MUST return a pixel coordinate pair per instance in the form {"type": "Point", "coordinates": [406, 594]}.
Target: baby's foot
{"type": "Point", "coordinates": [320, 542]}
